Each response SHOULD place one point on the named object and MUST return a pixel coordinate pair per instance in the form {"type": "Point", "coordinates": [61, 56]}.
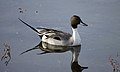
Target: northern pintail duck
{"type": "Point", "coordinates": [56, 37]}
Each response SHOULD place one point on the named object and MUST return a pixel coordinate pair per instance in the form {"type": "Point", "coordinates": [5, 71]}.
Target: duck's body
{"type": "Point", "coordinates": [56, 37]}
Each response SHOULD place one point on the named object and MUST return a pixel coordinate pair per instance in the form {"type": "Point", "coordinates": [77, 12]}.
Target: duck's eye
{"type": "Point", "coordinates": [57, 38]}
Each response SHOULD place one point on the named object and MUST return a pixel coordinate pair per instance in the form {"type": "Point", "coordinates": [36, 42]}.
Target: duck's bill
{"type": "Point", "coordinates": [84, 24]}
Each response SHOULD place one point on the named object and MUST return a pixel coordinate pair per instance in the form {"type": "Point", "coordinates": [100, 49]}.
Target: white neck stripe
{"type": "Point", "coordinates": [76, 37]}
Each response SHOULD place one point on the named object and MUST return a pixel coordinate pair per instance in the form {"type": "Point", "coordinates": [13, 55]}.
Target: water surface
{"type": "Point", "coordinates": [99, 40]}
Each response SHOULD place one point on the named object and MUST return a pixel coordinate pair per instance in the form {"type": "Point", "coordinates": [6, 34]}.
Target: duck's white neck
{"type": "Point", "coordinates": [76, 37]}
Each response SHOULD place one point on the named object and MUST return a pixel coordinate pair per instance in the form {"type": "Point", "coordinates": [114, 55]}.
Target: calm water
{"type": "Point", "coordinates": [99, 40]}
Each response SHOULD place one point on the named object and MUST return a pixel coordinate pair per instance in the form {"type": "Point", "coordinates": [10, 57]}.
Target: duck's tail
{"type": "Point", "coordinates": [34, 29]}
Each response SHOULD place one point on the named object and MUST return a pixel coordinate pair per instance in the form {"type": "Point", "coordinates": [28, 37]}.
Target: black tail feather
{"type": "Point", "coordinates": [28, 25]}
{"type": "Point", "coordinates": [28, 50]}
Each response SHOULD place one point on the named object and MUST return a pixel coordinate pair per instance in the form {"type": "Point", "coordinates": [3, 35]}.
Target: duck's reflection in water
{"type": "Point", "coordinates": [47, 48]}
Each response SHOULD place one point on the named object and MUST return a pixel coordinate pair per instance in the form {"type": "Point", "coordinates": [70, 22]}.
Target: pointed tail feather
{"type": "Point", "coordinates": [28, 50]}
{"type": "Point", "coordinates": [28, 25]}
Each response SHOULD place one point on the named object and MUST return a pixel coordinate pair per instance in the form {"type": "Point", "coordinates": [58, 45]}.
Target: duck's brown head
{"type": "Point", "coordinates": [75, 20]}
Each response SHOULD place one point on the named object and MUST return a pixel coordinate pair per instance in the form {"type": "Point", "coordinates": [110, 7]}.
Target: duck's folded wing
{"type": "Point", "coordinates": [52, 33]}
